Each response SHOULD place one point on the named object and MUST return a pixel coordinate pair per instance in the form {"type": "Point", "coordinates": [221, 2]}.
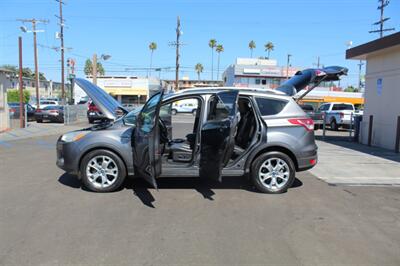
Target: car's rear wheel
{"type": "Point", "coordinates": [194, 112]}
{"type": "Point", "coordinates": [39, 120]}
{"type": "Point", "coordinates": [102, 171]}
{"type": "Point", "coordinates": [334, 125]}
{"type": "Point", "coordinates": [273, 172]}
{"type": "Point", "coordinates": [174, 112]}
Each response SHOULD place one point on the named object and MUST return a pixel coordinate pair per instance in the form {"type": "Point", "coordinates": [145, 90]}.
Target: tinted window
{"type": "Point", "coordinates": [342, 107]}
{"type": "Point", "coordinates": [148, 113]}
{"type": "Point", "coordinates": [270, 106]}
{"type": "Point", "coordinates": [307, 107]}
{"type": "Point", "coordinates": [324, 107]}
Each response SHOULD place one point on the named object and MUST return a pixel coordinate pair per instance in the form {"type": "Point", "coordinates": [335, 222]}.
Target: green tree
{"type": "Point", "coordinates": [26, 72]}
{"type": "Point", "coordinates": [212, 44]}
{"type": "Point", "coordinates": [350, 89]}
{"type": "Point", "coordinates": [269, 46]}
{"type": "Point", "coordinates": [13, 96]}
{"type": "Point", "coordinates": [152, 47]}
{"type": "Point", "coordinates": [199, 69]}
{"type": "Point", "coordinates": [252, 46]}
{"type": "Point", "coordinates": [219, 49]}
{"type": "Point", "coordinates": [88, 70]}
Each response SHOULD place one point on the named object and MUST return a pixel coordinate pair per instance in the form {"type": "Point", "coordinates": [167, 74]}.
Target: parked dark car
{"type": "Point", "coordinates": [14, 111]}
{"type": "Point", "coordinates": [316, 116]}
{"type": "Point", "coordinates": [262, 134]}
{"type": "Point", "coordinates": [53, 113]}
{"type": "Point", "coordinates": [94, 113]}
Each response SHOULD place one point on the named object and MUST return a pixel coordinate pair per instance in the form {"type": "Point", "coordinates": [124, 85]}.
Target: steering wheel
{"type": "Point", "coordinates": [163, 131]}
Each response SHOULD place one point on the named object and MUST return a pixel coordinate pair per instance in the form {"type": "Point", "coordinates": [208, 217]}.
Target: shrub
{"type": "Point", "coordinates": [13, 96]}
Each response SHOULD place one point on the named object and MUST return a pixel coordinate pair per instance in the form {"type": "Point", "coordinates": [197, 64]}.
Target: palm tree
{"type": "Point", "coordinates": [212, 43]}
{"type": "Point", "coordinates": [199, 69]}
{"type": "Point", "coordinates": [252, 45]}
{"type": "Point", "coordinates": [219, 49]}
{"type": "Point", "coordinates": [269, 46]}
{"type": "Point", "coordinates": [152, 47]}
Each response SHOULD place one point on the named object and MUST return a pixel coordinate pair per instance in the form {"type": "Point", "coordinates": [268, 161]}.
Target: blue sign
{"type": "Point", "coordinates": [379, 86]}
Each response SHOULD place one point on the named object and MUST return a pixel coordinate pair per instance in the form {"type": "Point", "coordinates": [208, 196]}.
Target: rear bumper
{"type": "Point", "coordinates": [307, 160]}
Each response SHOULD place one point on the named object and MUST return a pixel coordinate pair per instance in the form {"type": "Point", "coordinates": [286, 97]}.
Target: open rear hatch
{"type": "Point", "coordinates": [310, 77]}
{"type": "Point", "coordinates": [110, 107]}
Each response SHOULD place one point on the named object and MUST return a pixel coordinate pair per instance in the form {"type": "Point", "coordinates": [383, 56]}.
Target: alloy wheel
{"type": "Point", "coordinates": [102, 171]}
{"type": "Point", "coordinates": [274, 173]}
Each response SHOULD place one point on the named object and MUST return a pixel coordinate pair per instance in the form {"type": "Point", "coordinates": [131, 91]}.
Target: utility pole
{"type": "Point", "coordinates": [177, 44]}
{"type": "Point", "coordinates": [34, 31]}
{"type": "Point", "coordinates": [94, 69]}
{"type": "Point", "coordinates": [287, 65]}
{"type": "Point", "coordinates": [383, 4]}
{"type": "Point", "coordinates": [61, 23]}
{"type": "Point", "coordinates": [21, 87]}
{"type": "Point", "coordinates": [359, 75]}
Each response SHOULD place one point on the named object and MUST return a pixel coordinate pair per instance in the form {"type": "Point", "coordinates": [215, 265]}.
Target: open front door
{"type": "Point", "coordinates": [217, 134]}
{"type": "Point", "coordinates": [146, 140]}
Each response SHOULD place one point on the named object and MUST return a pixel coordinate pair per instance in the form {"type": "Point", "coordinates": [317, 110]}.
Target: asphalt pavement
{"type": "Point", "coordinates": [46, 218]}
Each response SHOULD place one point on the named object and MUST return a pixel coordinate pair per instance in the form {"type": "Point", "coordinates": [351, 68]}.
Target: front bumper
{"type": "Point", "coordinates": [68, 156]}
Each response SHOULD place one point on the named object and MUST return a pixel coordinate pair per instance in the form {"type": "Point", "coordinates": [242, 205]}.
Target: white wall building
{"type": "Point", "coordinates": [382, 90]}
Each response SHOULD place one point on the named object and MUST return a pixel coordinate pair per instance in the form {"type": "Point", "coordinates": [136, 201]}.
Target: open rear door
{"type": "Point", "coordinates": [217, 134]}
{"type": "Point", "coordinates": [146, 140]}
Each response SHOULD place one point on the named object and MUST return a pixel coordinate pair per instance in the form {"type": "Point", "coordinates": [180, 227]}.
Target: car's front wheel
{"type": "Point", "coordinates": [102, 171]}
{"type": "Point", "coordinates": [273, 172]}
{"type": "Point", "coordinates": [174, 111]}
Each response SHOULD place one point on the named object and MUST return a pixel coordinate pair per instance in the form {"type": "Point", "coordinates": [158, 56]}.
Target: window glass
{"type": "Point", "coordinates": [270, 106]}
{"type": "Point", "coordinates": [264, 82]}
{"type": "Point", "coordinates": [323, 107]}
{"type": "Point", "coordinates": [337, 107]}
{"type": "Point", "coordinates": [221, 106]}
{"type": "Point", "coordinates": [148, 113]}
{"type": "Point", "coordinates": [258, 81]}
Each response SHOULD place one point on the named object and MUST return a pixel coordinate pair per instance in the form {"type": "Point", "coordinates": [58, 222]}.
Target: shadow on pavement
{"type": "Point", "coordinates": [374, 151]}
{"type": "Point", "coordinates": [142, 190]}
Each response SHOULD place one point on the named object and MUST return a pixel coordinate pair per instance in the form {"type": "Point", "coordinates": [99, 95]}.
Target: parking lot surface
{"type": "Point", "coordinates": [47, 218]}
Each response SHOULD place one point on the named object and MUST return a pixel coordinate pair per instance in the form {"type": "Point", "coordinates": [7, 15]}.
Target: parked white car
{"type": "Point", "coordinates": [338, 114]}
{"type": "Point", "coordinates": [184, 106]}
{"type": "Point", "coordinates": [45, 103]}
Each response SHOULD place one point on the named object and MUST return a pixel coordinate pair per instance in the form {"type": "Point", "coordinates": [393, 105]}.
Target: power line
{"type": "Point", "coordinates": [383, 4]}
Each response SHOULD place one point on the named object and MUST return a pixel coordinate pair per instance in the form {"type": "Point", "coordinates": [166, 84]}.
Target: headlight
{"type": "Point", "coordinates": [74, 136]}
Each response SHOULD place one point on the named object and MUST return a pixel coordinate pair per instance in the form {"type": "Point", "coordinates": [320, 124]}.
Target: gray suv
{"type": "Point", "coordinates": [262, 134]}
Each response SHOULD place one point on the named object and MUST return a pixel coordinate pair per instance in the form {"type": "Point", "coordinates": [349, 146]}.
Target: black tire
{"type": "Point", "coordinates": [194, 112]}
{"type": "Point", "coordinates": [174, 111]}
{"type": "Point", "coordinates": [118, 162]}
{"type": "Point", "coordinates": [39, 120]}
{"type": "Point", "coordinates": [258, 164]}
{"type": "Point", "coordinates": [334, 125]}
{"type": "Point", "coordinates": [316, 127]}
{"type": "Point", "coordinates": [91, 121]}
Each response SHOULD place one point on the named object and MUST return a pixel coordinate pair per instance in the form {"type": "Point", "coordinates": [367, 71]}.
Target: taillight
{"type": "Point", "coordinates": [12, 110]}
{"type": "Point", "coordinates": [53, 111]}
{"type": "Point", "coordinates": [38, 111]}
{"type": "Point", "coordinates": [307, 123]}
{"type": "Point", "coordinates": [341, 115]}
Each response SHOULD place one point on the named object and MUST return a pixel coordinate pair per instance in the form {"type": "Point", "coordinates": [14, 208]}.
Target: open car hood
{"type": "Point", "coordinates": [110, 107]}
{"type": "Point", "coordinates": [309, 76]}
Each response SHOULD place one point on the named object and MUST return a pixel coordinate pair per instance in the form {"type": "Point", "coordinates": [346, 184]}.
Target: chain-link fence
{"type": "Point", "coordinates": [14, 115]}
{"type": "Point", "coordinates": [75, 114]}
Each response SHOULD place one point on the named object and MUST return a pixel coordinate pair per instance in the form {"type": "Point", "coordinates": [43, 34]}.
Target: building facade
{"type": "Point", "coordinates": [125, 89]}
{"type": "Point", "coordinates": [382, 90]}
{"type": "Point", "coordinates": [257, 73]}
{"type": "Point", "coordinates": [186, 83]}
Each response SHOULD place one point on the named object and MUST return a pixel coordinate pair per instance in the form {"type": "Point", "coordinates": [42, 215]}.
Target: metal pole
{"type": "Point", "coordinates": [178, 34]}
{"type": "Point", "coordinates": [36, 64]}
{"type": "Point", "coordinates": [62, 52]}
{"type": "Point", "coordinates": [397, 146]}
{"type": "Point", "coordinates": [21, 88]}
{"type": "Point", "coordinates": [323, 125]}
{"type": "Point", "coordinates": [94, 69]}
{"type": "Point", "coordinates": [351, 125]}
{"type": "Point", "coordinates": [287, 66]}
{"type": "Point", "coordinates": [371, 121]}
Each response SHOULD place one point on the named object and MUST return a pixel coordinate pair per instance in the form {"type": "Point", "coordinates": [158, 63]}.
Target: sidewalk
{"type": "Point", "coordinates": [350, 163]}
{"type": "Point", "coordinates": [37, 130]}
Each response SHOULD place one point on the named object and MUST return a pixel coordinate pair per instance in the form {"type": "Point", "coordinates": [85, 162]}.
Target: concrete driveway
{"type": "Point", "coordinates": [46, 218]}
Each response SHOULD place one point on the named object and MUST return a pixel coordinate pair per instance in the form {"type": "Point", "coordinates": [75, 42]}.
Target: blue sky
{"type": "Point", "coordinates": [306, 29]}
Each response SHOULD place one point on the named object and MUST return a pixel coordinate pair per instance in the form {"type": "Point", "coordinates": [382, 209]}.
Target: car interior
{"type": "Point", "coordinates": [181, 150]}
